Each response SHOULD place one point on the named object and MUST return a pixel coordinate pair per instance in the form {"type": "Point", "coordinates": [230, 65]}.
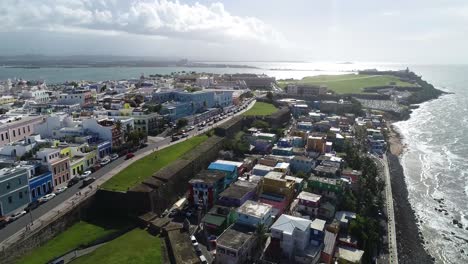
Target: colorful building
{"type": "Point", "coordinates": [236, 195]}
{"type": "Point", "coordinates": [308, 203]}
{"type": "Point", "coordinates": [253, 213]}
{"type": "Point", "coordinates": [14, 190]}
{"type": "Point", "coordinates": [230, 170]}
{"type": "Point", "coordinates": [328, 187]}
{"type": "Point", "coordinates": [205, 188]}
{"type": "Point", "coordinates": [277, 191]}
{"type": "Point", "coordinates": [218, 219]}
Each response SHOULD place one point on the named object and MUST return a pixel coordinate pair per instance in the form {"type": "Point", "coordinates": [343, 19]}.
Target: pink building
{"type": "Point", "coordinates": [60, 168]}
{"type": "Point", "coordinates": [17, 129]}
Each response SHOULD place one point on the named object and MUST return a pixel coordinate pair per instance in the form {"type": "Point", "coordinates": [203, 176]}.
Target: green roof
{"type": "Point", "coordinates": [214, 220]}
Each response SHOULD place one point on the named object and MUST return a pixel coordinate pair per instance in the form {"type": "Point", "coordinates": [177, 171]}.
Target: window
{"type": "Point", "coordinates": [55, 170]}
{"type": "Point", "coordinates": [56, 182]}
{"type": "Point", "coordinates": [20, 194]}
{"type": "Point", "coordinates": [68, 176]}
{"type": "Point", "coordinates": [38, 190]}
{"type": "Point", "coordinates": [14, 133]}
{"type": "Point", "coordinates": [44, 188]}
{"type": "Point", "coordinates": [2, 137]}
{"type": "Point", "coordinates": [24, 130]}
{"type": "Point", "coordinates": [19, 132]}
{"type": "Point", "coordinates": [29, 129]}
{"type": "Point", "coordinates": [19, 181]}
{"type": "Point", "coordinates": [60, 180]}
{"type": "Point", "coordinates": [74, 171]}
{"type": "Point", "coordinates": [10, 199]}
{"type": "Point", "coordinates": [33, 193]}
{"type": "Point", "coordinates": [6, 135]}
{"type": "Point", "coordinates": [8, 186]}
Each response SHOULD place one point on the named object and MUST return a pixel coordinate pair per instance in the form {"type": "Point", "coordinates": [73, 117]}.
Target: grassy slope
{"type": "Point", "coordinates": [78, 234]}
{"type": "Point", "coordinates": [147, 166]}
{"type": "Point", "coordinates": [136, 246]}
{"type": "Point", "coordinates": [350, 83]}
{"type": "Point", "coordinates": [261, 108]}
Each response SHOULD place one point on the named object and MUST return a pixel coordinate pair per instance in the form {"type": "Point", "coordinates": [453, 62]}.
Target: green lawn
{"type": "Point", "coordinates": [349, 83]}
{"type": "Point", "coordinates": [78, 234]}
{"type": "Point", "coordinates": [147, 166]}
{"type": "Point", "coordinates": [136, 246]}
{"type": "Point", "coordinates": [261, 109]}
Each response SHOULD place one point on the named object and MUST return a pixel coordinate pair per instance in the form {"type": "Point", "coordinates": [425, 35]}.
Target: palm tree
{"type": "Point", "coordinates": [261, 234]}
{"type": "Point", "coordinates": [118, 125]}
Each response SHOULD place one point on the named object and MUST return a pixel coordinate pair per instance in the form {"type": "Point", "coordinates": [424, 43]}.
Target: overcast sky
{"type": "Point", "coordinates": [416, 31]}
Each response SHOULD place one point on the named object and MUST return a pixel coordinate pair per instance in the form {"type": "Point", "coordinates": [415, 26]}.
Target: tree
{"type": "Point", "coordinates": [118, 125]}
{"type": "Point", "coordinates": [181, 123]}
{"type": "Point", "coordinates": [104, 88]}
{"type": "Point", "coordinates": [135, 137]}
{"type": "Point", "coordinates": [261, 234]}
{"type": "Point", "coordinates": [269, 96]}
{"type": "Point", "coordinates": [260, 124]}
{"type": "Point", "coordinates": [301, 174]}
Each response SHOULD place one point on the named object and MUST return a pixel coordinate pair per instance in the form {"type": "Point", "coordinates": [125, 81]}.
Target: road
{"type": "Point", "coordinates": [15, 227]}
{"type": "Point", "coordinates": [392, 243]}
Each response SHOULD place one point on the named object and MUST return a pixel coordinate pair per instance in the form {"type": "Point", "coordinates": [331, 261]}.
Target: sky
{"type": "Point", "coordinates": [416, 31]}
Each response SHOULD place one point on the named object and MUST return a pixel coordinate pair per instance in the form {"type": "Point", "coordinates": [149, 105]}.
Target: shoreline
{"type": "Point", "coordinates": [410, 242]}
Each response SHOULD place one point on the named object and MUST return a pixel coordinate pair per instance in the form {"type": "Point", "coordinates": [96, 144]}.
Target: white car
{"type": "Point", "coordinates": [15, 216]}
{"type": "Point", "coordinates": [85, 174]}
{"type": "Point", "coordinates": [46, 197]}
{"type": "Point", "coordinates": [105, 161]}
{"type": "Point", "coordinates": [114, 157]}
{"type": "Point", "coordinates": [60, 190]}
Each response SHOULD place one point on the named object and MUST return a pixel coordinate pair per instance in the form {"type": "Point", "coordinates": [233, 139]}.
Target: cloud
{"type": "Point", "coordinates": [391, 13]}
{"type": "Point", "coordinates": [143, 17]}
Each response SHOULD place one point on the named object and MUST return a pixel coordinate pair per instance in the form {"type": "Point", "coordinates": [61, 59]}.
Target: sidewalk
{"type": "Point", "coordinates": [89, 191]}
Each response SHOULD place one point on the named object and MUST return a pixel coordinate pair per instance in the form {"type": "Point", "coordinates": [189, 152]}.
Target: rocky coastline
{"type": "Point", "coordinates": [410, 241]}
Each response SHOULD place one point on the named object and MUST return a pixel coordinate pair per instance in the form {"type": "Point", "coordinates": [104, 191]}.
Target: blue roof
{"type": "Point", "coordinates": [222, 167]}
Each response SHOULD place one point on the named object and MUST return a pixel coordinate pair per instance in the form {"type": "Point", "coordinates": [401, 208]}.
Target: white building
{"type": "Point", "coordinates": [39, 96]}
{"type": "Point", "coordinates": [253, 213]}
{"type": "Point", "coordinates": [297, 239]}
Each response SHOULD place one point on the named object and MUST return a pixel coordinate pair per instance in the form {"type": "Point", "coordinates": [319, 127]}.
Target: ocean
{"type": "Point", "coordinates": [435, 160]}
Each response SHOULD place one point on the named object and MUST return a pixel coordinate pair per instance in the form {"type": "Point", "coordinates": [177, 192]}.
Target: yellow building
{"type": "Point", "coordinates": [7, 99]}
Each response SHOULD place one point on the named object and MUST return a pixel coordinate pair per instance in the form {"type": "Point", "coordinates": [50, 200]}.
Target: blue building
{"type": "Point", "coordinates": [14, 190]}
{"type": "Point", "coordinates": [40, 180]}
{"type": "Point", "coordinates": [177, 104]}
{"type": "Point", "coordinates": [301, 163]}
{"type": "Point", "coordinates": [230, 170]}
{"type": "Point", "coordinates": [279, 151]}
{"type": "Point", "coordinates": [176, 110]}
{"type": "Point", "coordinates": [40, 185]}
{"type": "Point", "coordinates": [104, 149]}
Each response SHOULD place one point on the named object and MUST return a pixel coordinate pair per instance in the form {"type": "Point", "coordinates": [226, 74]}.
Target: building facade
{"type": "Point", "coordinates": [14, 190]}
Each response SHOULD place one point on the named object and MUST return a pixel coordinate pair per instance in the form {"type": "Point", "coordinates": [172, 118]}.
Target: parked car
{"type": "Point", "coordinates": [87, 181]}
{"type": "Point", "coordinates": [61, 190]}
{"type": "Point", "coordinates": [105, 161]}
{"type": "Point", "coordinates": [129, 155]}
{"type": "Point", "coordinates": [3, 222]}
{"type": "Point", "coordinates": [85, 174]}
{"type": "Point", "coordinates": [47, 197]}
{"type": "Point", "coordinates": [203, 259]}
{"type": "Point", "coordinates": [190, 128]}
{"type": "Point", "coordinates": [114, 157]}
{"type": "Point", "coordinates": [175, 138]}
{"type": "Point", "coordinates": [16, 216]}
{"type": "Point", "coordinates": [193, 239]}
{"type": "Point", "coordinates": [31, 206]}
{"type": "Point", "coordinates": [200, 128]}
{"type": "Point", "coordinates": [184, 135]}
{"type": "Point", "coordinates": [73, 181]}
